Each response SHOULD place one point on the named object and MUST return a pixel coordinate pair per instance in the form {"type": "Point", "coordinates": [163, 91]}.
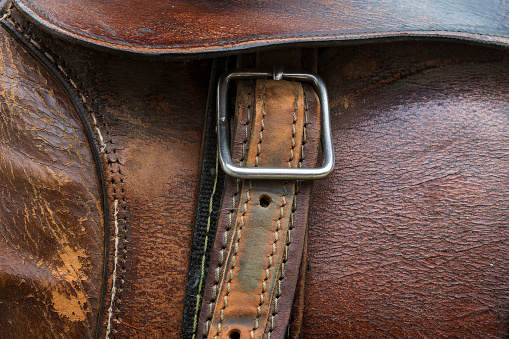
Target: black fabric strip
{"type": "Point", "coordinates": [209, 204]}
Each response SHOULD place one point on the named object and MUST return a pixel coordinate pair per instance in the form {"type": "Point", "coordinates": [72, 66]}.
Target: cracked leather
{"type": "Point", "coordinates": [148, 119]}
{"type": "Point", "coordinates": [407, 238]}
{"type": "Point", "coordinates": [51, 212]}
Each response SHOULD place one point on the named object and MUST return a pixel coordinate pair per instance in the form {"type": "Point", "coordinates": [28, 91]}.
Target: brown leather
{"type": "Point", "coordinates": [429, 119]}
{"type": "Point", "coordinates": [196, 26]}
{"type": "Point", "coordinates": [408, 237]}
{"type": "Point", "coordinates": [51, 208]}
{"type": "Point", "coordinates": [297, 312]}
{"type": "Point", "coordinates": [149, 117]}
{"type": "Point", "coordinates": [256, 255]}
{"type": "Point", "coordinates": [153, 118]}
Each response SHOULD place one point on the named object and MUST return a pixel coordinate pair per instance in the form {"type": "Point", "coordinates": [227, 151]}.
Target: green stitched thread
{"type": "Point", "coordinates": [198, 296]}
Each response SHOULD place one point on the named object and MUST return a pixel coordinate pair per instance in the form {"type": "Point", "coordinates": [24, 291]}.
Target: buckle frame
{"type": "Point", "coordinates": [273, 172]}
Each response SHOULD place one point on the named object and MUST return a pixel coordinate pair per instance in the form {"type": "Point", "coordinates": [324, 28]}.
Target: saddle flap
{"type": "Point", "coordinates": [197, 26]}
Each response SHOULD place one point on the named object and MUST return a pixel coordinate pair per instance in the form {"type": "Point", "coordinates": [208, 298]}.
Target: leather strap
{"type": "Point", "coordinates": [258, 248]}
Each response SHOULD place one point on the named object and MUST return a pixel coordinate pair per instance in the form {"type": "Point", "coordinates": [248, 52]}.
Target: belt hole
{"type": "Point", "coordinates": [264, 200]}
{"type": "Point", "coordinates": [234, 334]}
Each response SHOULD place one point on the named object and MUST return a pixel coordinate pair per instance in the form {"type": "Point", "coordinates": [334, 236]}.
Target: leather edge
{"type": "Point", "coordinates": [210, 50]}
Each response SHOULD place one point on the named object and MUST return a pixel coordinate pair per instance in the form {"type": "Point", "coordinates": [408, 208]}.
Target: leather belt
{"type": "Point", "coordinates": [256, 256]}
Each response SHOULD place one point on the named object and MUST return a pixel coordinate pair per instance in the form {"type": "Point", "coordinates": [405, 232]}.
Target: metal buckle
{"type": "Point", "coordinates": [269, 172]}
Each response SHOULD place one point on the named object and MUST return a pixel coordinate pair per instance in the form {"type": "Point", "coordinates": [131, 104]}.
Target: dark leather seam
{"type": "Point", "coordinates": [264, 113]}
{"type": "Point", "coordinates": [49, 63]}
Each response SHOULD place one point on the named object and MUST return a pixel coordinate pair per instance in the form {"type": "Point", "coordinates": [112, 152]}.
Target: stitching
{"type": "Point", "coordinates": [8, 12]}
{"type": "Point", "coordinates": [248, 122]}
{"type": "Point", "coordinates": [236, 250]}
{"type": "Point", "coordinates": [202, 274]}
{"type": "Point", "coordinates": [283, 266]}
{"type": "Point", "coordinates": [107, 152]}
{"type": "Point", "coordinates": [230, 218]}
{"type": "Point", "coordinates": [221, 259]}
{"type": "Point", "coordinates": [113, 287]}
{"type": "Point", "coordinates": [62, 70]}
{"type": "Point", "coordinates": [270, 264]}
{"type": "Point", "coordinates": [259, 145]}
{"type": "Point", "coordinates": [304, 132]}
{"type": "Point", "coordinates": [276, 233]}
{"type": "Point", "coordinates": [291, 224]}
{"type": "Point", "coordinates": [295, 107]}
{"type": "Point", "coordinates": [333, 35]}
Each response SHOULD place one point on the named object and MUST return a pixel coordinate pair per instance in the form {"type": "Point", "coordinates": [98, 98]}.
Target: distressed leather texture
{"type": "Point", "coordinates": [251, 280]}
{"type": "Point", "coordinates": [51, 210]}
{"type": "Point", "coordinates": [407, 237]}
{"type": "Point", "coordinates": [197, 26]}
{"type": "Point", "coordinates": [149, 131]}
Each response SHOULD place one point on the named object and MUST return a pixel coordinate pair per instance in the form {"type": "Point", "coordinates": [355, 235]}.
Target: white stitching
{"type": "Point", "coordinates": [291, 223]}
{"type": "Point", "coordinates": [270, 264]}
{"type": "Point", "coordinates": [102, 149]}
{"type": "Point", "coordinates": [8, 12]}
{"type": "Point", "coordinates": [113, 287]}
{"type": "Point", "coordinates": [235, 251]}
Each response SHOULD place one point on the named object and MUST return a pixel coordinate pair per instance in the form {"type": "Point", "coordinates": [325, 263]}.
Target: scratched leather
{"type": "Point", "coordinates": [51, 214]}
{"type": "Point", "coordinates": [408, 236]}
{"type": "Point", "coordinates": [154, 113]}
{"type": "Point", "coordinates": [196, 26]}
{"type": "Point", "coordinates": [150, 115]}
{"type": "Point", "coordinates": [145, 103]}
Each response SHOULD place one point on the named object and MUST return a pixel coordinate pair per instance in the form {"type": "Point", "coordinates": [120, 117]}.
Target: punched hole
{"type": "Point", "coordinates": [235, 334]}
{"type": "Point", "coordinates": [264, 200]}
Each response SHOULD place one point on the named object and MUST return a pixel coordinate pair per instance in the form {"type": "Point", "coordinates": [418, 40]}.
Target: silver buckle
{"type": "Point", "coordinates": [270, 172]}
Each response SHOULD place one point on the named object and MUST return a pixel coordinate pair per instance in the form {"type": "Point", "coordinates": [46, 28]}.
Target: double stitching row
{"type": "Point", "coordinates": [231, 213]}
{"type": "Point", "coordinates": [235, 251]}
{"type": "Point", "coordinates": [291, 222]}
{"type": "Point", "coordinates": [113, 167]}
{"type": "Point", "coordinates": [270, 263]}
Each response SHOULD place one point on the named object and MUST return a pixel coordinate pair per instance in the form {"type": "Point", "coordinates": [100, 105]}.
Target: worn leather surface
{"type": "Point", "coordinates": [421, 135]}
{"type": "Point", "coordinates": [257, 250]}
{"type": "Point", "coordinates": [148, 117]}
{"type": "Point", "coordinates": [155, 118]}
{"type": "Point", "coordinates": [153, 115]}
{"type": "Point", "coordinates": [51, 212]}
{"type": "Point", "coordinates": [408, 236]}
{"type": "Point", "coordinates": [162, 26]}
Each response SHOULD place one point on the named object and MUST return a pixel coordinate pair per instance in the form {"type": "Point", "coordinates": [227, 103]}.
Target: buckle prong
{"type": "Point", "coordinates": [269, 172]}
{"type": "Point", "coordinates": [277, 72]}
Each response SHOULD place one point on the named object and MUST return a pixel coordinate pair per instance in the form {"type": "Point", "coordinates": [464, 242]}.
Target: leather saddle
{"type": "Point", "coordinates": [253, 169]}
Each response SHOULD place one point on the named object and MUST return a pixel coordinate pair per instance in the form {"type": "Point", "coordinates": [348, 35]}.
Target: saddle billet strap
{"type": "Point", "coordinates": [258, 247]}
